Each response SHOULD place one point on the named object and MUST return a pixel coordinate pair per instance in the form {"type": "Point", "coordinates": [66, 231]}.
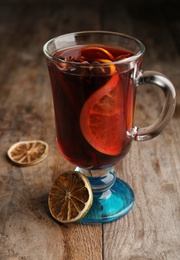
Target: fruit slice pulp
{"type": "Point", "coordinates": [101, 118]}
{"type": "Point", "coordinates": [26, 153]}
{"type": "Point", "coordinates": [70, 197]}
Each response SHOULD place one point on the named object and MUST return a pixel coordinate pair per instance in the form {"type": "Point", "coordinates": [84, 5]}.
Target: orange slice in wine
{"type": "Point", "coordinates": [70, 197]}
{"type": "Point", "coordinates": [92, 52]}
{"type": "Point", "coordinates": [110, 66]}
{"type": "Point", "coordinates": [101, 119]}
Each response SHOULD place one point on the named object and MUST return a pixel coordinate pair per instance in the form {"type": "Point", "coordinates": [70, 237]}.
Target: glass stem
{"type": "Point", "coordinates": [101, 180]}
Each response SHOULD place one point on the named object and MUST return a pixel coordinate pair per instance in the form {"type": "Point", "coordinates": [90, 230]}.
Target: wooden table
{"type": "Point", "coordinates": [27, 231]}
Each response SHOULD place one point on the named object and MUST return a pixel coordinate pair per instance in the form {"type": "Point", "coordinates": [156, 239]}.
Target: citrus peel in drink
{"type": "Point", "coordinates": [111, 67]}
{"type": "Point", "coordinates": [101, 119]}
{"type": "Point", "coordinates": [70, 197]}
{"type": "Point", "coordinates": [91, 57]}
{"type": "Point", "coordinates": [26, 153]}
{"type": "Point", "coordinates": [92, 52]}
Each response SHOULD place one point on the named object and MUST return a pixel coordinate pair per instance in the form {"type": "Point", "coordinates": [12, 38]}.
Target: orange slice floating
{"type": "Point", "coordinates": [110, 66]}
{"type": "Point", "coordinates": [92, 52]}
{"type": "Point", "coordinates": [101, 118]}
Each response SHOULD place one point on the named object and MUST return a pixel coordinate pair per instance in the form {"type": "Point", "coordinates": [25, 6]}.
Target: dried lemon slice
{"type": "Point", "coordinates": [27, 153]}
{"type": "Point", "coordinates": [70, 197]}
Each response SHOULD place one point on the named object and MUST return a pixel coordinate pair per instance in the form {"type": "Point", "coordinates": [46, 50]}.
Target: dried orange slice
{"type": "Point", "coordinates": [27, 153]}
{"type": "Point", "coordinates": [70, 197]}
{"type": "Point", "coordinates": [102, 118]}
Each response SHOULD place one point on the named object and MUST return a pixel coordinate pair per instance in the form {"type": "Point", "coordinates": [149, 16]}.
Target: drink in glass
{"type": "Point", "coordinates": [94, 76]}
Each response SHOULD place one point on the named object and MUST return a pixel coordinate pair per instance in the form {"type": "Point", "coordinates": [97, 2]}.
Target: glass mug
{"type": "Point", "coordinates": [94, 76]}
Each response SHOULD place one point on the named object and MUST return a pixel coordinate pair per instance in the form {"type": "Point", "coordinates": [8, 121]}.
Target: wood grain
{"type": "Point", "coordinates": [27, 231]}
{"type": "Point", "coordinates": [151, 167]}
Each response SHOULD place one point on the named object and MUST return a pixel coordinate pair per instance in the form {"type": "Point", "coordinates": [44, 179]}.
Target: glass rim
{"type": "Point", "coordinates": [134, 57]}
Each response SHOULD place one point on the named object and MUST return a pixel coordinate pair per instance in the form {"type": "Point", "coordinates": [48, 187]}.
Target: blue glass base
{"type": "Point", "coordinates": [112, 199]}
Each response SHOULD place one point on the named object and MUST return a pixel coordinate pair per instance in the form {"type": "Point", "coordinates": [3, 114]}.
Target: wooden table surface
{"type": "Point", "coordinates": [151, 231]}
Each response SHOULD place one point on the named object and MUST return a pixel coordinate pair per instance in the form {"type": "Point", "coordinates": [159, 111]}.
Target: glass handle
{"type": "Point", "coordinates": [149, 132]}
